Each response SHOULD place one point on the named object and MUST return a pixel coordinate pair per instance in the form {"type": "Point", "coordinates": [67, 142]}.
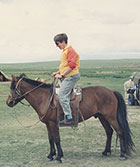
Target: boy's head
{"type": "Point", "coordinates": [61, 40]}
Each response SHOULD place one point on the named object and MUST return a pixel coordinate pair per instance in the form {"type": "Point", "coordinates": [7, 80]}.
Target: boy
{"type": "Point", "coordinates": [68, 72]}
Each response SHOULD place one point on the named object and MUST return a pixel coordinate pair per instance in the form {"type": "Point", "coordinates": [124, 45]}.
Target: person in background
{"type": "Point", "coordinates": [127, 85]}
{"type": "Point", "coordinates": [68, 73]}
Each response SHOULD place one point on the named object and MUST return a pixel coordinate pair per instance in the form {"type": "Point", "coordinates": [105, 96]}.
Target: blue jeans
{"type": "Point", "coordinates": [64, 93]}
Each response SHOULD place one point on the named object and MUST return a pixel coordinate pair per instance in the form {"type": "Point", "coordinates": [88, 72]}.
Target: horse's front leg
{"type": "Point", "coordinates": [52, 146]}
{"type": "Point", "coordinates": [55, 133]}
{"type": "Point", "coordinates": [59, 150]}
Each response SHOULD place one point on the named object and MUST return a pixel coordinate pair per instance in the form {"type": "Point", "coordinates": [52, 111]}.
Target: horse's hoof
{"type": "Point", "coordinates": [49, 158]}
{"type": "Point", "coordinates": [106, 153]}
{"type": "Point", "coordinates": [58, 161]}
{"type": "Point", "coordinates": [122, 158]}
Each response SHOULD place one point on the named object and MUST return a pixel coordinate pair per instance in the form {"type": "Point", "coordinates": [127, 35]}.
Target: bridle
{"type": "Point", "coordinates": [18, 92]}
{"type": "Point", "coordinates": [20, 96]}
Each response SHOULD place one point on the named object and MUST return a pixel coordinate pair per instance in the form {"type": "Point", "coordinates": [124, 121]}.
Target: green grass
{"type": "Point", "coordinates": [27, 147]}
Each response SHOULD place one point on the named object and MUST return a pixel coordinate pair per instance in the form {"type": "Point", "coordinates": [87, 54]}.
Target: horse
{"type": "Point", "coordinates": [106, 105]}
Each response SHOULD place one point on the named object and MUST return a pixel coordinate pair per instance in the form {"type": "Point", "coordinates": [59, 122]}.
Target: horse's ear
{"type": "Point", "coordinates": [22, 75]}
{"type": "Point", "coordinates": [14, 78]}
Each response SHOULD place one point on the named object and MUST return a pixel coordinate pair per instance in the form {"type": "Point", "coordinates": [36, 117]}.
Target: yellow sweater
{"type": "Point", "coordinates": [69, 58]}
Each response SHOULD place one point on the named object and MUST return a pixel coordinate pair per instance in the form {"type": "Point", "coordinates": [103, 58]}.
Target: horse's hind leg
{"type": "Point", "coordinates": [115, 125]}
{"type": "Point", "coordinates": [109, 132]}
{"type": "Point", "coordinates": [123, 151]}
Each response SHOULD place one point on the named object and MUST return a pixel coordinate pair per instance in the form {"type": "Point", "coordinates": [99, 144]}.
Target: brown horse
{"type": "Point", "coordinates": [97, 101]}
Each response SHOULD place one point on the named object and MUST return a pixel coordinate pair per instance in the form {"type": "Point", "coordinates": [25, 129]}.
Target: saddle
{"type": "Point", "coordinates": [75, 98]}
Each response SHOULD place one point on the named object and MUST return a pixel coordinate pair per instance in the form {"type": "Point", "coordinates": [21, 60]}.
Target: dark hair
{"type": "Point", "coordinates": [61, 38]}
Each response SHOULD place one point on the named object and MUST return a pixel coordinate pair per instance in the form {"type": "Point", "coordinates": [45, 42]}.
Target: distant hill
{"type": "Point", "coordinates": [83, 64]}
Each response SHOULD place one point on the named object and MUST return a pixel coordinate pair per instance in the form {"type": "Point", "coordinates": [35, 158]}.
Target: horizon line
{"type": "Point", "coordinates": [59, 60]}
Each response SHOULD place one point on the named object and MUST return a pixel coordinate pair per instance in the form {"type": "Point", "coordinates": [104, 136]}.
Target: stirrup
{"type": "Point", "coordinates": [66, 122]}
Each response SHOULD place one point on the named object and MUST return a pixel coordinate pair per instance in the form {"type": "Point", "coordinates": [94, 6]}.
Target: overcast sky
{"type": "Point", "coordinates": [97, 29]}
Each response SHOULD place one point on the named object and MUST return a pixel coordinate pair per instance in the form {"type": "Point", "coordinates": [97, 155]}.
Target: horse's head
{"type": "Point", "coordinates": [15, 95]}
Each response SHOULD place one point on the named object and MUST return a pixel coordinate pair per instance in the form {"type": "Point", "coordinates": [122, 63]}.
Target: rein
{"type": "Point", "coordinates": [18, 91]}
{"type": "Point", "coordinates": [49, 105]}
{"type": "Point", "coordinates": [25, 104]}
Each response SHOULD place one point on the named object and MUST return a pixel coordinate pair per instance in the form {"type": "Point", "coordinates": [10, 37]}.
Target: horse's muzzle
{"type": "Point", "coordinates": [10, 103]}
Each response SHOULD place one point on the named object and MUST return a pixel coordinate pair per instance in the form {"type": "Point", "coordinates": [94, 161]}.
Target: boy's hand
{"type": "Point", "coordinates": [58, 76]}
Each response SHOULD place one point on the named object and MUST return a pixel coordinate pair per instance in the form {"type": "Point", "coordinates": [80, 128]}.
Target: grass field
{"type": "Point", "coordinates": [27, 147]}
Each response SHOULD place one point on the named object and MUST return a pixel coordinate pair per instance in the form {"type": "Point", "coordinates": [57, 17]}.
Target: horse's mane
{"type": "Point", "coordinates": [31, 81]}
{"type": "Point", "coordinates": [37, 83]}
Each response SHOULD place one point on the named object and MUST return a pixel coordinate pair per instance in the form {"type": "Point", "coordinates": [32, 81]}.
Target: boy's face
{"type": "Point", "coordinates": [61, 45]}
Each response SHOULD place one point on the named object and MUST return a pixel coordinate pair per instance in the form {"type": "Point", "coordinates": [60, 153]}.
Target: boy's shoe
{"type": "Point", "coordinates": [68, 120]}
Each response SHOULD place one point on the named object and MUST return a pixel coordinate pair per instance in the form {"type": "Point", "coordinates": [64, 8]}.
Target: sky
{"type": "Point", "coordinates": [97, 29]}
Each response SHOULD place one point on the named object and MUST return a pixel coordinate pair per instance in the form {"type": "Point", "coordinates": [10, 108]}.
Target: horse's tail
{"type": "Point", "coordinates": [123, 124]}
